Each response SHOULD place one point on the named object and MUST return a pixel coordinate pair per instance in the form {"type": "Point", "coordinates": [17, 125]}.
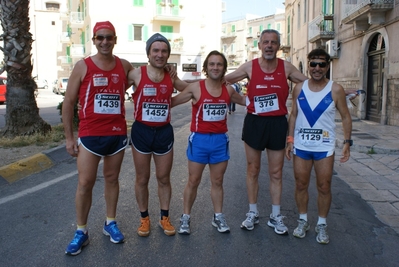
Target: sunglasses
{"type": "Point", "coordinates": [314, 64]}
{"type": "Point", "coordinates": [102, 37]}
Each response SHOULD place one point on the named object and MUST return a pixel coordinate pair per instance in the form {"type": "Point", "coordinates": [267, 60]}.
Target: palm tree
{"type": "Point", "coordinates": [22, 114]}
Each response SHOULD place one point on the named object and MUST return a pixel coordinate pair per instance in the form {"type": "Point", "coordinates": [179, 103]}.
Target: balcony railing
{"type": "Point", "coordinates": [77, 51]}
{"type": "Point", "coordinates": [76, 19]}
{"type": "Point", "coordinates": [228, 35]}
{"type": "Point", "coordinates": [169, 12]}
{"type": "Point", "coordinates": [322, 27]}
{"type": "Point", "coordinates": [65, 60]}
{"type": "Point", "coordinates": [64, 37]}
{"type": "Point", "coordinates": [370, 11]}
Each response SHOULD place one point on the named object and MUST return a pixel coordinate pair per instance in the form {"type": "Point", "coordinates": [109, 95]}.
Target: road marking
{"type": "Point", "coordinates": [36, 188]}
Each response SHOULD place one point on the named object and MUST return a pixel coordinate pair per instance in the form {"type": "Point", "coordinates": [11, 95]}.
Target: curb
{"type": "Point", "coordinates": [39, 162]}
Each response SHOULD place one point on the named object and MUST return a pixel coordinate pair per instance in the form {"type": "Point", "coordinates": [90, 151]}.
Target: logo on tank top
{"type": "Point", "coordinates": [164, 88]}
{"type": "Point", "coordinates": [115, 78]}
{"type": "Point", "coordinates": [261, 86]}
{"type": "Point", "coordinates": [268, 78]}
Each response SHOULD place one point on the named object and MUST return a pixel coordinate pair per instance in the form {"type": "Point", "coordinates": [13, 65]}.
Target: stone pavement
{"type": "Point", "coordinates": [373, 168]}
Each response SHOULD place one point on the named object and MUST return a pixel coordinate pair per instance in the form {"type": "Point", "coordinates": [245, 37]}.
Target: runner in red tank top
{"type": "Point", "coordinates": [208, 142]}
{"type": "Point", "coordinates": [265, 125]}
{"type": "Point", "coordinates": [152, 134]}
{"type": "Point", "coordinates": [99, 82]}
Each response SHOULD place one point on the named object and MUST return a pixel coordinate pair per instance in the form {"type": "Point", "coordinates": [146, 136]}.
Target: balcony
{"type": "Point", "coordinates": [364, 13]}
{"type": "Point", "coordinates": [168, 12]}
{"type": "Point", "coordinates": [225, 35]}
{"type": "Point", "coordinates": [65, 38]}
{"type": "Point", "coordinates": [76, 19]}
{"type": "Point", "coordinates": [254, 49]}
{"type": "Point", "coordinates": [285, 45]}
{"type": "Point", "coordinates": [321, 29]}
{"type": "Point", "coordinates": [65, 60]}
{"type": "Point", "coordinates": [77, 51]}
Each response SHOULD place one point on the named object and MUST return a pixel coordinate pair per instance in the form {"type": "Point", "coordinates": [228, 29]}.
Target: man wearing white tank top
{"type": "Point", "coordinates": [311, 138]}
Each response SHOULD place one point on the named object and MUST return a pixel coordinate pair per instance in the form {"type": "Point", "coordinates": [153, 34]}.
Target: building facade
{"type": "Point", "coordinates": [193, 30]}
{"type": "Point", "coordinates": [360, 36]}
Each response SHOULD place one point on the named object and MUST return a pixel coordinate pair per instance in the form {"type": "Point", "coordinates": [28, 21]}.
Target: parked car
{"type": "Point", "coordinates": [42, 84]}
{"type": "Point", "coordinates": [3, 89]}
{"type": "Point", "coordinates": [54, 86]}
{"type": "Point", "coordinates": [61, 85]}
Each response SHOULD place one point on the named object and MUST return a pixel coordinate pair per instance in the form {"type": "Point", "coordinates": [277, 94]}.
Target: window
{"type": "Point", "coordinates": [137, 32]}
{"type": "Point", "coordinates": [278, 26]}
{"type": "Point", "coordinates": [288, 41]}
{"type": "Point", "coordinates": [305, 6]}
{"type": "Point", "coordinates": [138, 3]}
{"type": "Point", "coordinates": [233, 28]}
{"type": "Point", "coordinates": [299, 16]}
{"type": "Point", "coordinates": [269, 26]}
{"type": "Point", "coordinates": [260, 28]}
{"type": "Point", "coordinates": [328, 6]}
{"type": "Point", "coordinates": [53, 6]}
{"type": "Point", "coordinates": [232, 49]}
{"type": "Point", "coordinates": [250, 31]}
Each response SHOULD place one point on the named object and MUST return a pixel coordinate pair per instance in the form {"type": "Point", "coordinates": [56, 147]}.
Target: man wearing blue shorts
{"type": "Point", "coordinates": [311, 138]}
{"type": "Point", "coordinates": [208, 142]}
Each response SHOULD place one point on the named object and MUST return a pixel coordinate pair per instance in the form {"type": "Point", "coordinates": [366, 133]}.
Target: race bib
{"type": "Point", "coordinates": [266, 103]}
{"type": "Point", "coordinates": [107, 104]}
{"type": "Point", "coordinates": [311, 137]}
{"type": "Point", "coordinates": [214, 112]}
{"type": "Point", "coordinates": [155, 112]}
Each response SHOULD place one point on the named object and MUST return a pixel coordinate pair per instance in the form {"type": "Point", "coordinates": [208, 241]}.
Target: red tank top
{"type": "Point", "coordinates": [209, 113]}
{"type": "Point", "coordinates": [102, 97]}
{"type": "Point", "coordinates": [152, 100]}
{"type": "Point", "coordinates": [267, 92]}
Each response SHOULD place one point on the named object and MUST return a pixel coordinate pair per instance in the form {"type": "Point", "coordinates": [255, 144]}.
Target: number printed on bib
{"type": "Point", "coordinates": [107, 104]}
{"type": "Point", "coordinates": [266, 103]}
{"type": "Point", "coordinates": [311, 137]}
{"type": "Point", "coordinates": [214, 112]}
{"type": "Point", "coordinates": [155, 112]}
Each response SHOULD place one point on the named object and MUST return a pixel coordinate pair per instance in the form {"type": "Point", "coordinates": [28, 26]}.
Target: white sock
{"type": "Point", "coordinates": [303, 216]}
{"type": "Point", "coordinates": [253, 207]}
{"type": "Point", "coordinates": [275, 210]}
{"type": "Point", "coordinates": [322, 221]}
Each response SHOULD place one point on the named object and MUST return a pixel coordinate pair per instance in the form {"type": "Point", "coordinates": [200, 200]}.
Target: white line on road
{"type": "Point", "coordinates": [36, 188]}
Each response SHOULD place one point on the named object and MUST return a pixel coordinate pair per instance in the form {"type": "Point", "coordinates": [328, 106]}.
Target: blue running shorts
{"type": "Point", "coordinates": [208, 148]}
{"type": "Point", "coordinates": [310, 155]}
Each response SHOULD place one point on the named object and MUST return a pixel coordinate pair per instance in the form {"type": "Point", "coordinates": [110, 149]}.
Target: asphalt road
{"type": "Point", "coordinates": [38, 220]}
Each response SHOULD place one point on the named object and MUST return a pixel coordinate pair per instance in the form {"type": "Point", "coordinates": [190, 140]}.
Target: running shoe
{"type": "Point", "coordinates": [78, 242]}
{"type": "Point", "coordinates": [184, 225]}
{"type": "Point", "coordinates": [167, 227]}
{"type": "Point", "coordinates": [144, 229]}
{"type": "Point", "coordinates": [303, 227]}
{"type": "Point", "coordinates": [220, 223]}
{"type": "Point", "coordinates": [277, 223]}
{"type": "Point", "coordinates": [250, 221]}
{"type": "Point", "coordinates": [322, 235]}
{"type": "Point", "coordinates": [113, 232]}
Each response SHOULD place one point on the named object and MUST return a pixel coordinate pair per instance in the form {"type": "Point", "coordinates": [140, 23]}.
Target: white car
{"type": "Point", "coordinates": [61, 85]}
{"type": "Point", "coordinates": [42, 84]}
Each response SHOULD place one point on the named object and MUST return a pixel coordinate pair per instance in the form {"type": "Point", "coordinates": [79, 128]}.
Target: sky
{"type": "Point", "coordinates": [238, 8]}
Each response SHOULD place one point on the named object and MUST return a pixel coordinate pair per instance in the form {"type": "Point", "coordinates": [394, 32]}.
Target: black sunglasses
{"type": "Point", "coordinates": [314, 64]}
{"type": "Point", "coordinates": [102, 37]}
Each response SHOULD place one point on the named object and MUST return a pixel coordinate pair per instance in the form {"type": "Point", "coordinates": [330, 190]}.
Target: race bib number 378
{"type": "Point", "coordinates": [266, 103]}
{"type": "Point", "coordinates": [107, 104]}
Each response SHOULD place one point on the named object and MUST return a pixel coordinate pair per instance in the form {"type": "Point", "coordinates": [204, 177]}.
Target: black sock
{"type": "Point", "coordinates": [144, 214]}
{"type": "Point", "coordinates": [164, 213]}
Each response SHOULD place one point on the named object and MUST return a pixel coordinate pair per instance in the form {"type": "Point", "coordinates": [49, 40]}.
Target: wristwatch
{"type": "Point", "coordinates": [350, 141]}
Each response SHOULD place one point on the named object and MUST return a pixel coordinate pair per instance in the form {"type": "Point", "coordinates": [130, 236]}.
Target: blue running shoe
{"type": "Point", "coordinates": [78, 242]}
{"type": "Point", "coordinates": [113, 232]}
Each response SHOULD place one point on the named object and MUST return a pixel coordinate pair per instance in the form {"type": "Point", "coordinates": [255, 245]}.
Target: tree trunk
{"type": "Point", "coordinates": [22, 114]}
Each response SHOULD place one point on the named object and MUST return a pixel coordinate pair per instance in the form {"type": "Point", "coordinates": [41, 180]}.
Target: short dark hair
{"type": "Point", "coordinates": [214, 53]}
{"type": "Point", "coordinates": [319, 53]}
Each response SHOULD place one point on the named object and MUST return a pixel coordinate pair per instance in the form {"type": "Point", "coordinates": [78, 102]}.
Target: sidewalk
{"type": "Point", "coordinates": [373, 169]}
